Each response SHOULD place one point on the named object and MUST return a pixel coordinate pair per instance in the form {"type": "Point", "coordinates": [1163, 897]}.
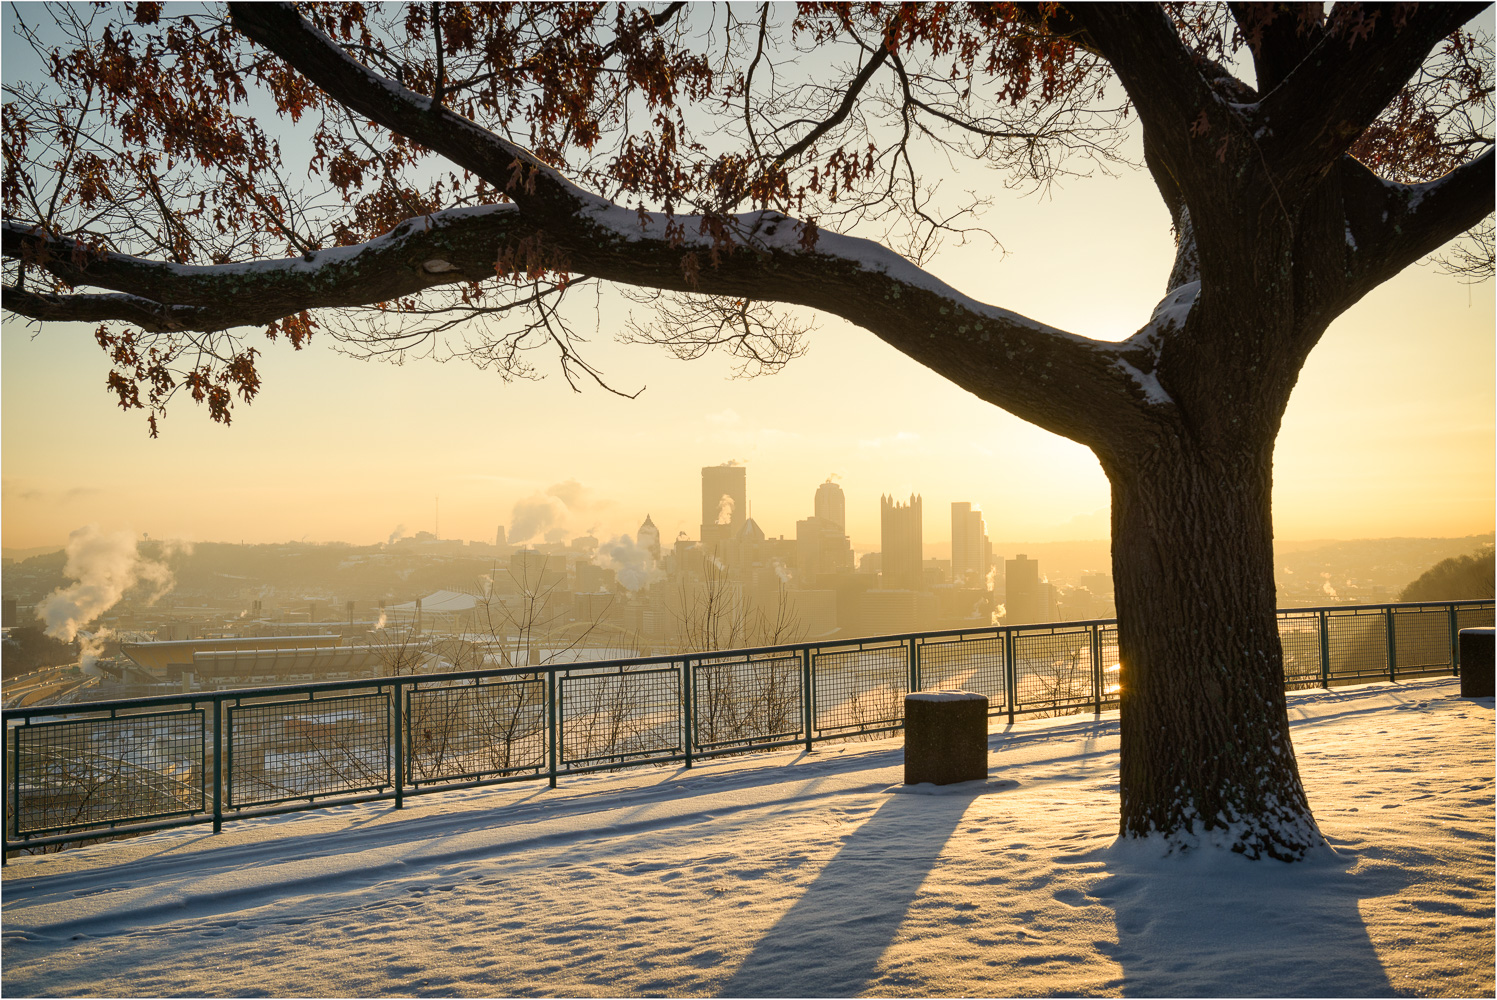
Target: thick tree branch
{"type": "Point", "coordinates": [1327, 101]}
{"type": "Point", "coordinates": [1390, 226]}
{"type": "Point", "coordinates": [452, 246]}
{"type": "Point", "coordinates": [150, 316]}
{"type": "Point", "coordinates": [1068, 384]}
{"type": "Point", "coordinates": [1280, 37]}
{"type": "Point", "coordinates": [1164, 81]}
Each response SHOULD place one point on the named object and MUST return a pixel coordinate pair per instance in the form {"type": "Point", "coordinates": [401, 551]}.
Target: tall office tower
{"type": "Point", "coordinates": [648, 537]}
{"type": "Point", "coordinates": [903, 549]}
{"type": "Point", "coordinates": [969, 546]}
{"type": "Point", "coordinates": [821, 548]}
{"type": "Point", "coordinates": [1026, 598]}
{"type": "Point", "coordinates": [724, 502]}
{"type": "Point", "coordinates": [831, 505]}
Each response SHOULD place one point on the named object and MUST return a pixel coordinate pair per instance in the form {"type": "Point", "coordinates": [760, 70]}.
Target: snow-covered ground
{"type": "Point", "coordinates": [809, 875]}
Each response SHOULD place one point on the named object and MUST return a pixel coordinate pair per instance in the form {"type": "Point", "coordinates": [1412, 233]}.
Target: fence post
{"type": "Point", "coordinates": [1392, 642]}
{"type": "Point", "coordinates": [551, 687]}
{"type": "Point", "coordinates": [1325, 652]}
{"type": "Point", "coordinates": [398, 724]}
{"type": "Point", "coordinates": [1455, 639]}
{"type": "Point", "coordinates": [218, 765]}
{"type": "Point", "coordinates": [1010, 672]}
{"type": "Point", "coordinates": [1097, 667]}
{"type": "Point", "coordinates": [688, 702]}
{"type": "Point", "coordinates": [8, 773]}
{"type": "Point", "coordinates": [807, 706]}
{"type": "Point", "coordinates": [914, 665]}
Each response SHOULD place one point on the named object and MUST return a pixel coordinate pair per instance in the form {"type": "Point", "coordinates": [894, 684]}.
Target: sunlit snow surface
{"type": "Point", "coordinates": [802, 875]}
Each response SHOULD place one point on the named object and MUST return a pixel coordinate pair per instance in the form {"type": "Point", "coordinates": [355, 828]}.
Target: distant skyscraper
{"type": "Point", "coordinates": [648, 537]}
{"type": "Point", "coordinates": [724, 502]}
{"type": "Point", "coordinates": [903, 548]}
{"type": "Point", "coordinates": [821, 548]}
{"type": "Point", "coordinates": [831, 505]}
{"type": "Point", "coordinates": [969, 548]}
{"type": "Point", "coordinates": [1026, 598]}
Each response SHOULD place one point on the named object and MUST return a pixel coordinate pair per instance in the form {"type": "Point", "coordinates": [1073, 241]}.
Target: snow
{"type": "Point", "coordinates": [809, 875]}
{"type": "Point", "coordinates": [1174, 309]}
{"type": "Point", "coordinates": [1413, 194]}
{"type": "Point", "coordinates": [945, 696]}
{"type": "Point", "coordinates": [774, 231]}
{"type": "Point", "coordinates": [312, 262]}
{"type": "Point", "coordinates": [1149, 383]}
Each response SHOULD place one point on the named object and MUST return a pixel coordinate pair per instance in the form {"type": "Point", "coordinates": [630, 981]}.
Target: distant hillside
{"type": "Point", "coordinates": [1373, 570]}
{"type": "Point", "coordinates": [17, 555]}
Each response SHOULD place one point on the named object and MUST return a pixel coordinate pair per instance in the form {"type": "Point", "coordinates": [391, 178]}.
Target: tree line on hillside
{"type": "Point", "coordinates": [1459, 578]}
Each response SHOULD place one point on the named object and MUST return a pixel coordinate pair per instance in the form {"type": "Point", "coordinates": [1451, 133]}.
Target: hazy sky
{"type": "Point", "coordinates": [1390, 431]}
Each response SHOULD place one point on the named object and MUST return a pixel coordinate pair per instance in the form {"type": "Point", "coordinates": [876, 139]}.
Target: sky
{"type": "Point", "coordinates": [821, 874]}
{"type": "Point", "coordinates": [1390, 431]}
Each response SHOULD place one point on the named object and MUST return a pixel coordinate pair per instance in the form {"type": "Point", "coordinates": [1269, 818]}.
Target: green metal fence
{"type": "Point", "coordinates": [82, 771]}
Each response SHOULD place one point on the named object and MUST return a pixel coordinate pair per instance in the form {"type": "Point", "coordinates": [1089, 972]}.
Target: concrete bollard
{"type": "Point", "coordinates": [1478, 677]}
{"type": "Point", "coordinates": [945, 737]}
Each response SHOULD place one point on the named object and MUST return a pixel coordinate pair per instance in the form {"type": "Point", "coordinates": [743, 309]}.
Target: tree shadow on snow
{"type": "Point", "coordinates": [1211, 923]}
{"type": "Point", "coordinates": [828, 944]}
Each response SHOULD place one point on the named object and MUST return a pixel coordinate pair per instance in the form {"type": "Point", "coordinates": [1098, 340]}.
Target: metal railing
{"type": "Point", "coordinates": [88, 770]}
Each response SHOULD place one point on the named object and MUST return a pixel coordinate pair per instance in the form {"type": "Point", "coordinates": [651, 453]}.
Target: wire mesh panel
{"type": "Point", "coordinates": [960, 663]}
{"type": "Point", "coordinates": [1299, 636]}
{"type": "Point", "coordinates": [1473, 617]}
{"type": "Point", "coordinates": [106, 771]}
{"type": "Point", "coordinates": [858, 690]}
{"type": "Point", "coordinates": [1053, 671]}
{"type": "Point", "coordinates": [739, 702]}
{"type": "Point", "coordinates": [610, 717]}
{"type": "Point", "coordinates": [475, 730]}
{"type": "Point", "coordinates": [279, 751]}
{"type": "Point", "coordinates": [1359, 644]}
{"type": "Point", "coordinates": [1421, 640]}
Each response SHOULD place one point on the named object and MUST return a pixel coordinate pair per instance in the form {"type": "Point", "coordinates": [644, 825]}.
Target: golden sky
{"type": "Point", "coordinates": [1390, 431]}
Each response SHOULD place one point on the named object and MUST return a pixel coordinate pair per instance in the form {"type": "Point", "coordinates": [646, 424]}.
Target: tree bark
{"type": "Point", "coordinates": [1205, 733]}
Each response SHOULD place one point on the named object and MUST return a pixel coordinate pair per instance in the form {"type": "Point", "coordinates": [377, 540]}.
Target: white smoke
{"type": "Point", "coordinates": [382, 619]}
{"type": "Point", "coordinates": [396, 535]}
{"type": "Point", "coordinates": [1326, 587]}
{"type": "Point", "coordinates": [105, 566]}
{"type": "Point", "coordinates": [633, 564]}
{"type": "Point", "coordinates": [547, 514]}
{"type": "Point", "coordinates": [780, 571]}
{"type": "Point", "coordinates": [725, 510]}
{"type": "Point", "coordinates": [533, 516]}
{"type": "Point", "coordinates": [92, 648]}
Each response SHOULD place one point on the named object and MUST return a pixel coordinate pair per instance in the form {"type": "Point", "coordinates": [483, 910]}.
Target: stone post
{"type": "Point", "coordinates": [1478, 677]}
{"type": "Point", "coordinates": [945, 737]}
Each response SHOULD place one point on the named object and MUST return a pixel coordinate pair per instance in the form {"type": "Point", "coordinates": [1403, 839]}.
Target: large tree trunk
{"type": "Point", "coordinates": [1205, 734]}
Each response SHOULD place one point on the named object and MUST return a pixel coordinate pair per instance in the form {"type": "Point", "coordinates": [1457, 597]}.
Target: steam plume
{"type": "Point", "coordinates": [725, 510]}
{"type": "Point", "coordinates": [105, 566]}
{"type": "Point", "coordinates": [546, 514]}
{"type": "Point", "coordinates": [633, 564]}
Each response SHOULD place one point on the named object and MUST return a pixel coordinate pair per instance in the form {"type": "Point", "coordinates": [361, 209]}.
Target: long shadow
{"type": "Point", "coordinates": [828, 944]}
{"type": "Point", "coordinates": [1223, 926]}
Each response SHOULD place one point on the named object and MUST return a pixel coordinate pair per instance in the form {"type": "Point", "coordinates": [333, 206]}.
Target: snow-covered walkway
{"type": "Point", "coordinates": [808, 875]}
